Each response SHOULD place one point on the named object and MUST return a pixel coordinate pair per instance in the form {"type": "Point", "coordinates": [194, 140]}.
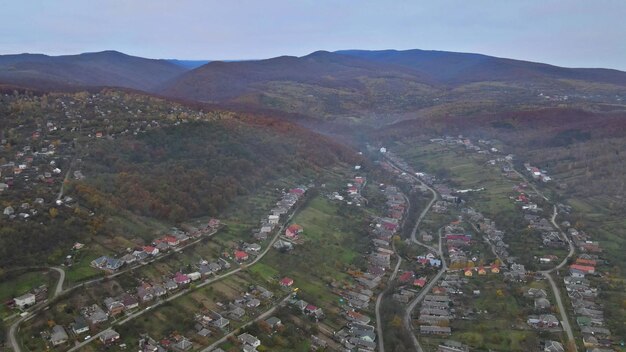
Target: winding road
{"type": "Point", "coordinates": [379, 299]}
{"type": "Point", "coordinates": [555, 288]}
{"type": "Point", "coordinates": [14, 328]}
{"type": "Point", "coordinates": [409, 310]}
{"type": "Point", "coordinates": [547, 273]}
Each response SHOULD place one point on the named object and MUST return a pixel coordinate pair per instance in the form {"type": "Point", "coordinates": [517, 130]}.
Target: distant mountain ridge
{"type": "Point", "coordinates": [188, 64]}
{"type": "Point", "coordinates": [106, 68]}
{"type": "Point", "coordinates": [346, 83]}
{"type": "Point", "coordinates": [455, 68]}
{"type": "Point", "coordinates": [219, 80]}
{"type": "Point", "coordinates": [394, 83]}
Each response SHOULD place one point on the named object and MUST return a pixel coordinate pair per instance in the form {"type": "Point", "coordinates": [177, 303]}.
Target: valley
{"type": "Point", "coordinates": [337, 201]}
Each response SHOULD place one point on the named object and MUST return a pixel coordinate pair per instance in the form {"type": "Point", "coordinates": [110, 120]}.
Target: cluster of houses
{"type": "Point", "coordinates": [34, 167]}
{"type": "Point", "coordinates": [540, 299]}
{"type": "Point", "coordinates": [482, 146]}
{"type": "Point", "coordinates": [37, 153]}
{"type": "Point", "coordinates": [58, 335]}
{"type": "Point", "coordinates": [546, 322]}
{"type": "Point", "coordinates": [494, 236]}
{"type": "Point", "coordinates": [583, 242]}
{"type": "Point", "coordinates": [308, 309]}
{"type": "Point", "coordinates": [358, 334]}
{"type": "Point", "coordinates": [352, 194]}
{"type": "Point", "coordinates": [354, 190]}
{"type": "Point", "coordinates": [89, 319]}
{"type": "Point", "coordinates": [435, 315]}
{"type": "Point", "coordinates": [542, 305]}
{"type": "Point", "coordinates": [303, 306]}
{"type": "Point", "coordinates": [536, 173]}
{"type": "Point", "coordinates": [358, 295]}
{"type": "Point", "coordinates": [452, 346]}
{"type": "Point", "coordinates": [32, 159]}
{"type": "Point", "coordinates": [283, 206]}
{"type": "Point", "coordinates": [549, 236]}
{"type": "Point", "coordinates": [584, 297]}
{"type": "Point", "coordinates": [172, 241]}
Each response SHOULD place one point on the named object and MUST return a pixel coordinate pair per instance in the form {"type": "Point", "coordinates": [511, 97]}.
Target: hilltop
{"type": "Point", "coordinates": [106, 68]}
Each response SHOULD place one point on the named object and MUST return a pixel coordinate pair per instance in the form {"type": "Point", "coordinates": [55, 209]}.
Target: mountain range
{"type": "Point", "coordinates": [106, 68]}
{"type": "Point", "coordinates": [330, 84]}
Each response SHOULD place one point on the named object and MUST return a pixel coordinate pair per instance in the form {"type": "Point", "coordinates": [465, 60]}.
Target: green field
{"type": "Point", "coordinates": [18, 282]}
{"type": "Point", "coordinates": [334, 236]}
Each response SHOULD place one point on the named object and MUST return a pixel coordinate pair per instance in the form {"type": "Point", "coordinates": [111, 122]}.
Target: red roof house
{"type": "Point", "coordinates": [420, 282]}
{"type": "Point", "coordinates": [588, 262]}
{"type": "Point", "coordinates": [293, 231]}
{"type": "Point", "coordinates": [406, 277]}
{"type": "Point", "coordinates": [151, 250]}
{"type": "Point", "coordinates": [584, 268]}
{"type": "Point", "coordinates": [181, 278]}
{"type": "Point", "coordinates": [171, 240]}
{"type": "Point", "coordinates": [298, 191]}
{"type": "Point", "coordinates": [241, 256]}
{"type": "Point", "coordinates": [310, 308]}
{"type": "Point", "coordinates": [286, 282]}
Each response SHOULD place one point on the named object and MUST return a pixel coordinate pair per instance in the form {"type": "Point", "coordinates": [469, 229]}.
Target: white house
{"type": "Point", "coordinates": [273, 219]}
{"type": "Point", "coordinates": [194, 276]}
{"type": "Point", "coordinates": [248, 339]}
{"type": "Point", "coordinates": [24, 300]}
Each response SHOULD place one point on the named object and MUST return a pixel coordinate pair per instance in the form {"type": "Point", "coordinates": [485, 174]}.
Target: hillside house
{"type": "Point", "coordinates": [286, 282]}
{"type": "Point", "coordinates": [293, 231]}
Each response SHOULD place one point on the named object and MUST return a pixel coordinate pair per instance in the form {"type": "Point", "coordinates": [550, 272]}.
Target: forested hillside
{"type": "Point", "coordinates": [198, 168]}
{"type": "Point", "coordinates": [73, 162]}
{"type": "Point", "coordinates": [107, 68]}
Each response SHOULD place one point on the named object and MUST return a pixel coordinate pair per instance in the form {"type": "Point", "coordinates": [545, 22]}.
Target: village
{"type": "Point", "coordinates": [460, 270]}
{"type": "Point", "coordinates": [447, 302]}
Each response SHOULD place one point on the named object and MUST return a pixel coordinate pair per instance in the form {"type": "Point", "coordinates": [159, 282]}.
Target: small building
{"type": "Point", "coordinates": [435, 330]}
{"type": "Point", "coordinates": [241, 256]}
{"type": "Point", "coordinates": [293, 231]}
{"type": "Point", "coordinates": [273, 322]}
{"type": "Point", "coordinates": [150, 250]}
{"type": "Point", "coordinates": [553, 346]}
{"type": "Point", "coordinates": [248, 339]}
{"type": "Point", "coordinates": [80, 325]}
{"type": "Point", "coordinates": [183, 345]}
{"type": "Point", "coordinates": [58, 335]}
{"type": "Point", "coordinates": [109, 336]}
{"type": "Point", "coordinates": [194, 276]}
{"type": "Point", "coordinates": [181, 279]}
{"type": "Point", "coordinates": [273, 219]}
{"type": "Point", "coordinates": [286, 282]}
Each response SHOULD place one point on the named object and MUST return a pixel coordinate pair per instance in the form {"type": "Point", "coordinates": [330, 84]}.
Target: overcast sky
{"type": "Point", "coordinates": [574, 33]}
